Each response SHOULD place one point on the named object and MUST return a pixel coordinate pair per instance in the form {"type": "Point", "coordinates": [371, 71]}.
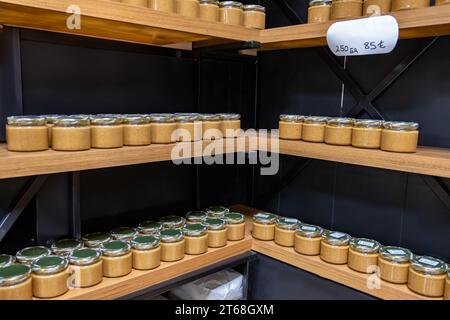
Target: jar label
{"type": "Point", "coordinates": [366, 243]}
{"type": "Point", "coordinates": [337, 235]}
{"type": "Point", "coordinates": [428, 262]}
{"type": "Point", "coordinates": [290, 220]}
{"type": "Point", "coordinates": [308, 228]}
{"type": "Point", "coordinates": [262, 215]}
{"type": "Point", "coordinates": [397, 252]}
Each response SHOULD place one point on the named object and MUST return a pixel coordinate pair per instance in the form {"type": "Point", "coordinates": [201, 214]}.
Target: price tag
{"type": "Point", "coordinates": [373, 35]}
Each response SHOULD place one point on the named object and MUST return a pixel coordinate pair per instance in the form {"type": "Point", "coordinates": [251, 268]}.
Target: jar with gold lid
{"type": "Point", "coordinates": [334, 247]}
{"type": "Point", "coordinates": [211, 126]}
{"type": "Point", "coordinates": [162, 5]}
{"type": "Point", "coordinates": [290, 126]}
{"type": "Point", "coordinates": [188, 8]}
{"type": "Point", "coordinates": [50, 276]}
{"type": "Point", "coordinates": [149, 228]}
{"type": "Point", "coordinates": [319, 11]}
{"type": "Point", "coordinates": [65, 247]}
{"type": "Point", "coordinates": [398, 5]}
{"type": "Point", "coordinates": [447, 287]}
{"type": "Point", "coordinates": [394, 264]}
{"type": "Point", "coordinates": [172, 222]}
{"type": "Point", "coordinates": [6, 260]}
{"type": "Point", "coordinates": [264, 226]}
{"type": "Point", "coordinates": [71, 134]}
{"type": "Point", "coordinates": [196, 217]}
{"type": "Point", "coordinates": [230, 125]}
{"type": "Point", "coordinates": [376, 7]}
{"type": "Point", "coordinates": [189, 127]}
{"type": "Point", "coordinates": [427, 276]}
{"type": "Point", "coordinates": [117, 258]}
{"type": "Point", "coordinates": [15, 282]}
{"type": "Point", "coordinates": [346, 9]}
{"type": "Point", "coordinates": [217, 232]}
{"type": "Point", "coordinates": [254, 16]}
{"type": "Point", "coordinates": [307, 239]}
{"type": "Point", "coordinates": [172, 245]}
{"type": "Point", "coordinates": [28, 255]}
{"type": "Point", "coordinates": [85, 268]}
{"type": "Point", "coordinates": [217, 211]}
{"type": "Point", "coordinates": [96, 239]}
{"type": "Point", "coordinates": [106, 132]}
{"type": "Point", "coordinates": [338, 131]}
{"type": "Point", "coordinates": [51, 119]}
{"type": "Point", "coordinates": [163, 128]}
{"type": "Point", "coordinates": [235, 226]}
{"type": "Point", "coordinates": [196, 238]}
{"type": "Point", "coordinates": [136, 130]}
{"type": "Point", "coordinates": [285, 231]}
{"type": "Point", "coordinates": [146, 251]}
{"type": "Point", "coordinates": [367, 133]}
{"type": "Point", "coordinates": [363, 255]}
{"type": "Point", "coordinates": [27, 133]}
{"type": "Point", "coordinates": [124, 233]}
{"type": "Point", "coordinates": [398, 136]}
{"type": "Point", "coordinates": [313, 129]}
{"type": "Point", "coordinates": [231, 12]}
{"type": "Point", "coordinates": [209, 10]}
{"type": "Point", "coordinates": [139, 3]}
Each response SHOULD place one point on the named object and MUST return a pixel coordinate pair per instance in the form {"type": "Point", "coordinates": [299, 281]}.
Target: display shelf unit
{"type": "Point", "coordinates": [337, 273]}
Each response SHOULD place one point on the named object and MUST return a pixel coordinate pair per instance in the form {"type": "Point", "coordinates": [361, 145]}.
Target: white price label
{"type": "Point", "coordinates": [306, 228]}
{"type": "Point", "coordinates": [429, 262]}
{"type": "Point", "coordinates": [373, 35]}
{"type": "Point", "coordinates": [366, 243]}
{"type": "Point", "coordinates": [397, 252]}
{"type": "Point", "coordinates": [337, 235]}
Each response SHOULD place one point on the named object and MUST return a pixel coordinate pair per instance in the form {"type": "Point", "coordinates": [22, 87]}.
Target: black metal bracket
{"type": "Point", "coordinates": [439, 189]}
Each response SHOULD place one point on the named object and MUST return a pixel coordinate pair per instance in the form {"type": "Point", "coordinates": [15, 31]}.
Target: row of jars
{"type": "Point", "coordinates": [105, 131]}
{"type": "Point", "coordinates": [395, 136]}
{"type": "Point", "coordinates": [324, 10]}
{"type": "Point", "coordinates": [424, 275]}
{"type": "Point", "coordinates": [70, 263]}
{"type": "Point", "coordinates": [227, 12]}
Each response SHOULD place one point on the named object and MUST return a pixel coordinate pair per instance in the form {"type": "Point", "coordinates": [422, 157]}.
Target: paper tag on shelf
{"type": "Point", "coordinates": [373, 35]}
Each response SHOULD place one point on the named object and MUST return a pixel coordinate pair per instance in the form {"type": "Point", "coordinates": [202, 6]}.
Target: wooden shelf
{"type": "Point", "coordinates": [419, 23]}
{"type": "Point", "coordinates": [337, 273]}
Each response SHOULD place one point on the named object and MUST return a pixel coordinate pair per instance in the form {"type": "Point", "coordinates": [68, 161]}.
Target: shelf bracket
{"type": "Point", "coordinates": [439, 189]}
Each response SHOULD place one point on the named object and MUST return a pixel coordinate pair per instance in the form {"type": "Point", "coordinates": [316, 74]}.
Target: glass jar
{"type": "Point", "coordinates": [188, 8]}
{"type": "Point", "coordinates": [394, 264]}
{"type": "Point", "coordinates": [313, 129]}
{"type": "Point", "coordinates": [117, 258]}
{"type": "Point", "coordinates": [285, 231]}
{"type": "Point", "coordinates": [334, 247]}
{"type": "Point", "coordinates": [217, 211]}
{"type": "Point", "coordinates": [338, 131]}
{"type": "Point", "coordinates": [26, 256]}
{"type": "Point", "coordinates": [399, 136]}
{"type": "Point", "coordinates": [398, 5]}
{"type": "Point", "coordinates": [209, 10]}
{"type": "Point", "coordinates": [196, 238]}
{"type": "Point", "coordinates": [71, 134]}
{"type": "Point", "coordinates": [163, 127]}
{"type": "Point", "coordinates": [6, 260]}
{"type": "Point", "coordinates": [162, 5]}
{"type": "Point", "coordinates": [172, 222]}
{"type": "Point", "coordinates": [254, 16]}
{"type": "Point", "coordinates": [367, 134]}
{"type": "Point", "coordinates": [140, 3]}
{"type": "Point", "coordinates": [96, 239]}
{"type": "Point", "coordinates": [230, 125]}
{"type": "Point", "coordinates": [196, 216]}
{"type": "Point", "coordinates": [217, 232]}
{"type": "Point", "coordinates": [376, 7]}
{"type": "Point", "coordinates": [264, 226]}
{"type": "Point", "coordinates": [149, 228]}
{"type": "Point", "coordinates": [50, 276]}
{"type": "Point", "coordinates": [136, 130]}
{"type": "Point", "coordinates": [363, 255]}
{"type": "Point", "coordinates": [51, 119]}
{"type": "Point", "coordinates": [189, 128]}
{"type": "Point", "coordinates": [65, 247]}
{"type": "Point", "coordinates": [290, 126]}
{"type": "Point", "coordinates": [441, 2]}
{"type": "Point", "coordinates": [231, 12]}
{"type": "Point", "coordinates": [146, 252]}
{"type": "Point", "coordinates": [211, 126]}
{"type": "Point", "coordinates": [106, 132]}
{"type": "Point", "coordinates": [15, 282]}
{"type": "Point", "coordinates": [172, 245]}
{"type": "Point", "coordinates": [427, 276]}
{"type": "Point", "coordinates": [124, 233]}
{"type": "Point", "coordinates": [235, 226]}
{"type": "Point", "coordinates": [27, 133]}
{"type": "Point", "coordinates": [319, 11]}
{"type": "Point", "coordinates": [346, 9]}
{"type": "Point", "coordinates": [85, 268]}
{"type": "Point", "coordinates": [307, 239]}
{"type": "Point", "coordinates": [447, 287]}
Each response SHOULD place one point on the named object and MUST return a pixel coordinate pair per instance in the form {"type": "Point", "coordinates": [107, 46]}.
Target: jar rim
{"type": "Point", "coordinates": [84, 256]}
{"type": "Point", "coordinates": [135, 119]}
{"type": "Point", "coordinates": [395, 254]}
{"type": "Point", "coordinates": [209, 1]}
{"type": "Point", "coordinates": [123, 233]}
{"type": "Point", "coordinates": [51, 118]}
{"type": "Point", "coordinates": [169, 118]}
{"type": "Point", "coordinates": [316, 119]}
{"type": "Point", "coordinates": [309, 230]}
{"type": "Point", "coordinates": [49, 265]}
{"type": "Point", "coordinates": [146, 242]}
{"type": "Point", "coordinates": [187, 118]}
{"type": "Point", "coordinates": [336, 238]}
{"type": "Point", "coordinates": [254, 7]}
{"type": "Point", "coordinates": [195, 230]}
{"type": "Point", "coordinates": [210, 117]}
{"type": "Point", "coordinates": [229, 116]}
{"type": "Point", "coordinates": [95, 239]}
{"type": "Point", "coordinates": [105, 120]}
{"type": "Point", "coordinates": [234, 217]}
{"type": "Point", "coordinates": [72, 122]}
{"type": "Point", "coordinates": [364, 245]}
{"type": "Point", "coordinates": [265, 218]}
{"type": "Point", "coordinates": [231, 4]}
{"type": "Point", "coordinates": [319, 2]}
{"type": "Point", "coordinates": [66, 246]}
{"type": "Point", "coordinates": [171, 235]}
{"type": "Point", "coordinates": [115, 248]}
{"type": "Point", "coordinates": [291, 118]}
{"type": "Point", "coordinates": [29, 254]}
{"type": "Point", "coordinates": [429, 265]}
{"type": "Point", "coordinates": [26, 121]}
{"type": "Point", "coordinates": [341, 122]}
{"type": "Point", "coordinates": [401, 125]}
{"type": "Point", "coordinates": [6, 260]}
{"type": "Point", "coordinates": [287, 223]}
{"type": "Point", "coordinates": [14, 274]}
{"type": "Point", "coordinates": [368, 123]}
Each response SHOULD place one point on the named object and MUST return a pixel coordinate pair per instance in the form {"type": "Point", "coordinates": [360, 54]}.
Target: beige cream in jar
{"type": "Point", "coordinates": [263, 226]}
{"type": "Point", "coordinates": [209, 10]}
{"type": "Point", "coordinates": [394, 264]}
{"type": "Point", "coordinates": [189, 127]}
{"type": "Point", "coordinates": [307, 239]}
{"type": "Point", "coordinates": [136, 130]}
{"type": "Point", "coordinates": [346, 9]}
{"type": "Point", "coordinates": [163, 128]}
{"type": "Point", "coordinates": [172, 245]}
{"type": "Point", "coordinates": [195, 238]}
{"type": "Point", "coordinates": [172, 222]}
{"type": "Point", "coordinates": [376, 7]}
{"type": "Point", "coordinates": [28, 255]}
{"type": "Point", "coordinates": [217, 232]}
{"type": "Point", "coordinates": [363, 255]}
{"type": "Point", "coordinates": [149, 228]}
{"type": "Point", "coordinates": [427, 276]}
{"type": "Point", "coordinates": [338, 131]}
{"type": "Point", "coordinates": [124, 233]}
{"type": "Point", "coordinates": [65, 247]}
{"type": "Point", "coordinates": [235, 226]}
{"type": "Point", "coordinates": [313, 129]}
{"type": "Point", "coordinates": [334, 247]}
{"type": "Point", "coordinates": [230, 125]}
{"type": "Point", "coordinates": [188, 8]}
{"type": "Point", "coordinates": [211, 126]}
{"type": "Point", "coordinates": [399, 136]}
{"type": "Point", "coordinates": [319, 11]}
{"type": "Point", "coordinates": [196, 217]}
{"type": "Point", "coordinates": [85, 268]}
{"type": "Point", "coordinates": [162, 5]}
{"type": "Point", "coordinates": [285, 229]}
{"type": "Point", "coordinates": [290, 127]}
{"type": "Point", "coordinates": [50, 276]}
{"type": "Point", "coordinates": [106, 132]}
{"type": "Point", "coordinates": [367, 134]}
{"type": "Point", "coordinates": [398, 5]}
{"type": "Point", "coordinates": [71, 134]}
{"type": "Point", "coordinates": [117, 258]}
{"type": "Point", "coordinates": [231, 12]}
{"type": "Point", "coordinates": [254, 16]}
{"type": "Point", "coordinates": [51, 119]}
{"type": "Point", "coordinates": [96, 239]}
{"type": "Point", "coordinates": [27, 133]}
{"type": "Point", "coordinates": [15, 282]}
{"type": "Point", "coordinates": [217, 211]}
{"type": "Point", "coordinates": [146, 251]}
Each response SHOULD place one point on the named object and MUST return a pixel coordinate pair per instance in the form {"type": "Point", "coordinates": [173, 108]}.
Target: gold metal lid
{"type": "Point", "coordinates": [287, 223]}
{"type": "Point", "coordinates": [336, 238]}
{"type": "Point", "coordinates": [291, 118]}
{"type": "Point", "coordinates": [26, 121]}
{"type": "Point", "coordinates": [316, 120]}
{"type": "Point", "coordinates": [309, 231]}
{"type": "Point", "coordinates": [340, 122]}
{"type": "Point", "coordinates": [396, 254]}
